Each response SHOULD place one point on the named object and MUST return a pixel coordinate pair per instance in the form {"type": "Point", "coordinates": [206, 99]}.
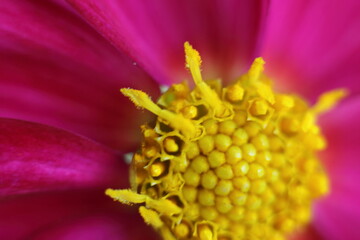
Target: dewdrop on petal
{"type": "Point", "coordinates": [237, 162]}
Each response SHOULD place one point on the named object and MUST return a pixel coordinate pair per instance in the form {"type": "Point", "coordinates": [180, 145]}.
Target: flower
{"type": "Point", "coordinates": [56, 69]}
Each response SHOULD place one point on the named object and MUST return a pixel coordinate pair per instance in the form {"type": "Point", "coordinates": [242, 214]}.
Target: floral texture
{"type": "Point", "coordinates": [63, 63]}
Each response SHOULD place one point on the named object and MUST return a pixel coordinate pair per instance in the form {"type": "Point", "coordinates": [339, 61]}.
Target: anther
{"type": "Point", "coordinates": [151, 217]}
{"type": "Point", "coordinates": [157, 168]}
{"type": "Point", "coordinates": [182, 230]}
{"type": "Point", "coordinates": [256, 70]}
{"type": "Point", "coordinates": [283, 102]}
{"type": "Point", "coordinates": [184, 125]}
{"type": "Point", "coordinates": [258, 108]}
{"type": "Point", "coordinates": [235, 93]}
{"type": "Point", "coordinates": [328, 100]}
{"type": "Point", "coordinates": [126, 196]}
{"type": "Point", "coordinates": [189, 112]}
{"type": "Point", "coordinates": [205, 233]}
{"type": "Point", "coordinates": [163, 206]}
{"type": "Point", "coordinates": [170, 145]}
{"type": "Point", "coordinates": [150, 151]}
{"type": "Point", "coordinates": [149, 133]}
{"type": "Point", "coordinates": [290, 125]}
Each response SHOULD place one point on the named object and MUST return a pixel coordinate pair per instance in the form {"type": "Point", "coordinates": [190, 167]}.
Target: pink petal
{"type": "Point", "coordinates": [100, 227]}
{"type": "Point", "coordinates": [56, 70]}
{"type": "Point", "coordinates": [153, 33]}
{"type": "Point", "coordinates": [308, 233]}
{"type": "Point", "coordinates": [36, 158]}
{"type": "Point", "coordinates": [337, 216]}
{"type": "Point", "coordinates": [69, 215]}
{"type": "Point", "coordinates": [313, 46]}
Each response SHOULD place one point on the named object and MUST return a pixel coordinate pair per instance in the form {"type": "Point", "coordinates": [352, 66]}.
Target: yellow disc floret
{"type": "Point", "coordinates": [237, 162]}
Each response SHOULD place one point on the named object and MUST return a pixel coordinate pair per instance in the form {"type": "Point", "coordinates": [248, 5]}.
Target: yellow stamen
{"type": "Point", "coordinates": [176, 121]}
{"type": "Point", "coordinates": [190, 112]}
{"type": "Point", "coordinates": [254, 80]}
{"type": "Point", "coordinates": [256, 69]}
{"type": "Point", "coordinates": [163, 206]}
{"type": "Point", "coordinates": [328, 100]}
{"type": "Point", "coordinates": [151, 217]}
{"type": "Point", "coordinates": [193, 62]}
{"type": "Point", "coordinates": [235, 93]}
{"type": "Point", "coordinates": [233, 163]}
{"type": "Point", "coordinates": [126, 196]}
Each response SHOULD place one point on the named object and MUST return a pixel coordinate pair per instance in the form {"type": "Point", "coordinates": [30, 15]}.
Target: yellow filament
{"type": "Point", "coordinates": [254, 80]}
{"type": "Point", "coordinates": [126, 196]}
{"type": "Point", "coordinates": [176, 121]}
{"type": "Point", "coordinates": [163, 206]}
{"type": "Point", "coordinates": [193, 62]}
{"type": "Point", "coordinates": [329, 100]}
{"type": "Point", "coordinates": [256, 70]}
{"type": "Point", "coordinates": [151, 217]}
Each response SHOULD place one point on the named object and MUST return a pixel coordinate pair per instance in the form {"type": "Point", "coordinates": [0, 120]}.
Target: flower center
{"type": "Point", "coordinates": [237, 162]}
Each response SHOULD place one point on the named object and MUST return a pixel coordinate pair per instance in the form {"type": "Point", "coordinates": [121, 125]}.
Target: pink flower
{"type": "Point", "coordinates": [62, 64]}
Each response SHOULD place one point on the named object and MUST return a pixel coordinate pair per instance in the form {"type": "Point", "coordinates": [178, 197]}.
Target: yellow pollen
{"type": "Point", "coordinates": [157, 169]}
{"type": "Point", "coordinates": [189, 112]}
{"type": "Point", "coordinates": [182, 230]}
{"type": "Point", "coordinates": [205, 233]}
{"type": "Point", "coordinates": [235, 93]}
{"type": "Point", "coordinates": [233, 162]}
{"type": "Point", "coordinates": [170, 145]}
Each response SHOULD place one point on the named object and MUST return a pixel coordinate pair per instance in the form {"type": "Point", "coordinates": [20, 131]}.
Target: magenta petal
{"type": "Point", "coordinates": [313, 46]}
{"type": "Point", "coordinates": [96, 227]}
{"type": "Point", "coordinates": [36, 158]}
{"type": "Point", "coordinates": [341, 129]}
{"type": "Point", "coordinates": [337, 216]}
{"type": "Point", "coordinates": [69, 215]}
{"type": "Point", "coordinates": [308, 233]}
{"type": "Point", "coordinates": [153, 32]}
{"type": "Point", "coordinates": [56, 70]}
